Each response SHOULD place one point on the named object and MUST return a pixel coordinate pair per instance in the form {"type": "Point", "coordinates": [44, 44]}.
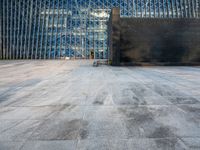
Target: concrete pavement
{"type": "Point", "coordinates": [70, 105]}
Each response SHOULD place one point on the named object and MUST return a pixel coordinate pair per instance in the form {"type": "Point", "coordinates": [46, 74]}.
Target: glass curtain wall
{"type": "Point", "coordinates": [56, 29]}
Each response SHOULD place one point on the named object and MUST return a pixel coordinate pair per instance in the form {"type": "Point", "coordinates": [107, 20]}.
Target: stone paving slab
{"type": "Point", "coordinates": [70, 105]}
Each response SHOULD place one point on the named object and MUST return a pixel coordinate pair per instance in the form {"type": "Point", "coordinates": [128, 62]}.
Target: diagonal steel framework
{"type": "Point", "coordinates": [54, 29]}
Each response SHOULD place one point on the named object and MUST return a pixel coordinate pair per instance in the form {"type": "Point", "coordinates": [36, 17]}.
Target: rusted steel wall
{"type": "Point", "coordinates": [157, 41]}
{"type": "Point", "coordinates": [114, 37]}
{"type": "Point", "coordinates": [160, 40]}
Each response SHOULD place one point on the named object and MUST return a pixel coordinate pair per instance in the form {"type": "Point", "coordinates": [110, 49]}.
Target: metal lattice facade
{"type": "Point", "coordinates": [53, 29]}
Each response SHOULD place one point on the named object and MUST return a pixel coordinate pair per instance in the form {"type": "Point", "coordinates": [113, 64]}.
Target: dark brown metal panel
{"type": "Point", "coordinates": [1, 29]}
{"type": "Point", "coordinates": [160, 40]}
{"type": "Point", "coordinates": [114, 36]}
{"type": "Point", "coordinates": [156, 41]}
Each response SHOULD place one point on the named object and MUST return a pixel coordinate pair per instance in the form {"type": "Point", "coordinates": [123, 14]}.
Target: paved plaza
{"type": "Point", "coordinates": [71, 105]}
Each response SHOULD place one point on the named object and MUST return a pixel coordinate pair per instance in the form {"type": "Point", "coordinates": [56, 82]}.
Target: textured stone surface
{"type": "Point", "coordinates": [72, 105]}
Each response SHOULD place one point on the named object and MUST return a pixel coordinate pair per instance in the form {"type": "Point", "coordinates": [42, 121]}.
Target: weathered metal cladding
{"type": "Point", "coordinates": [172, 41]}
{"type": "Point", "coordinates": [175, 41]}
{"type": "Point", "coordinates": [1, 30]}
{"type": "Point", "coordinates": [114, 37]}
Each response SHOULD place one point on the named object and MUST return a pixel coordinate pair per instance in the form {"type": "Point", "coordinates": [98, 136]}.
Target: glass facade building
{"type": "Point", "coordinates": [55, 29]}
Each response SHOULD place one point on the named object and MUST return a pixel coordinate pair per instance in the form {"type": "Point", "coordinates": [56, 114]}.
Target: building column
{"type": "Point", "coordinates": [114, 35]}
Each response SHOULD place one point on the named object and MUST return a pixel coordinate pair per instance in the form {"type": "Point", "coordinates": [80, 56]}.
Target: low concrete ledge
{"type": "Point", "coordinates": [159, 64]}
